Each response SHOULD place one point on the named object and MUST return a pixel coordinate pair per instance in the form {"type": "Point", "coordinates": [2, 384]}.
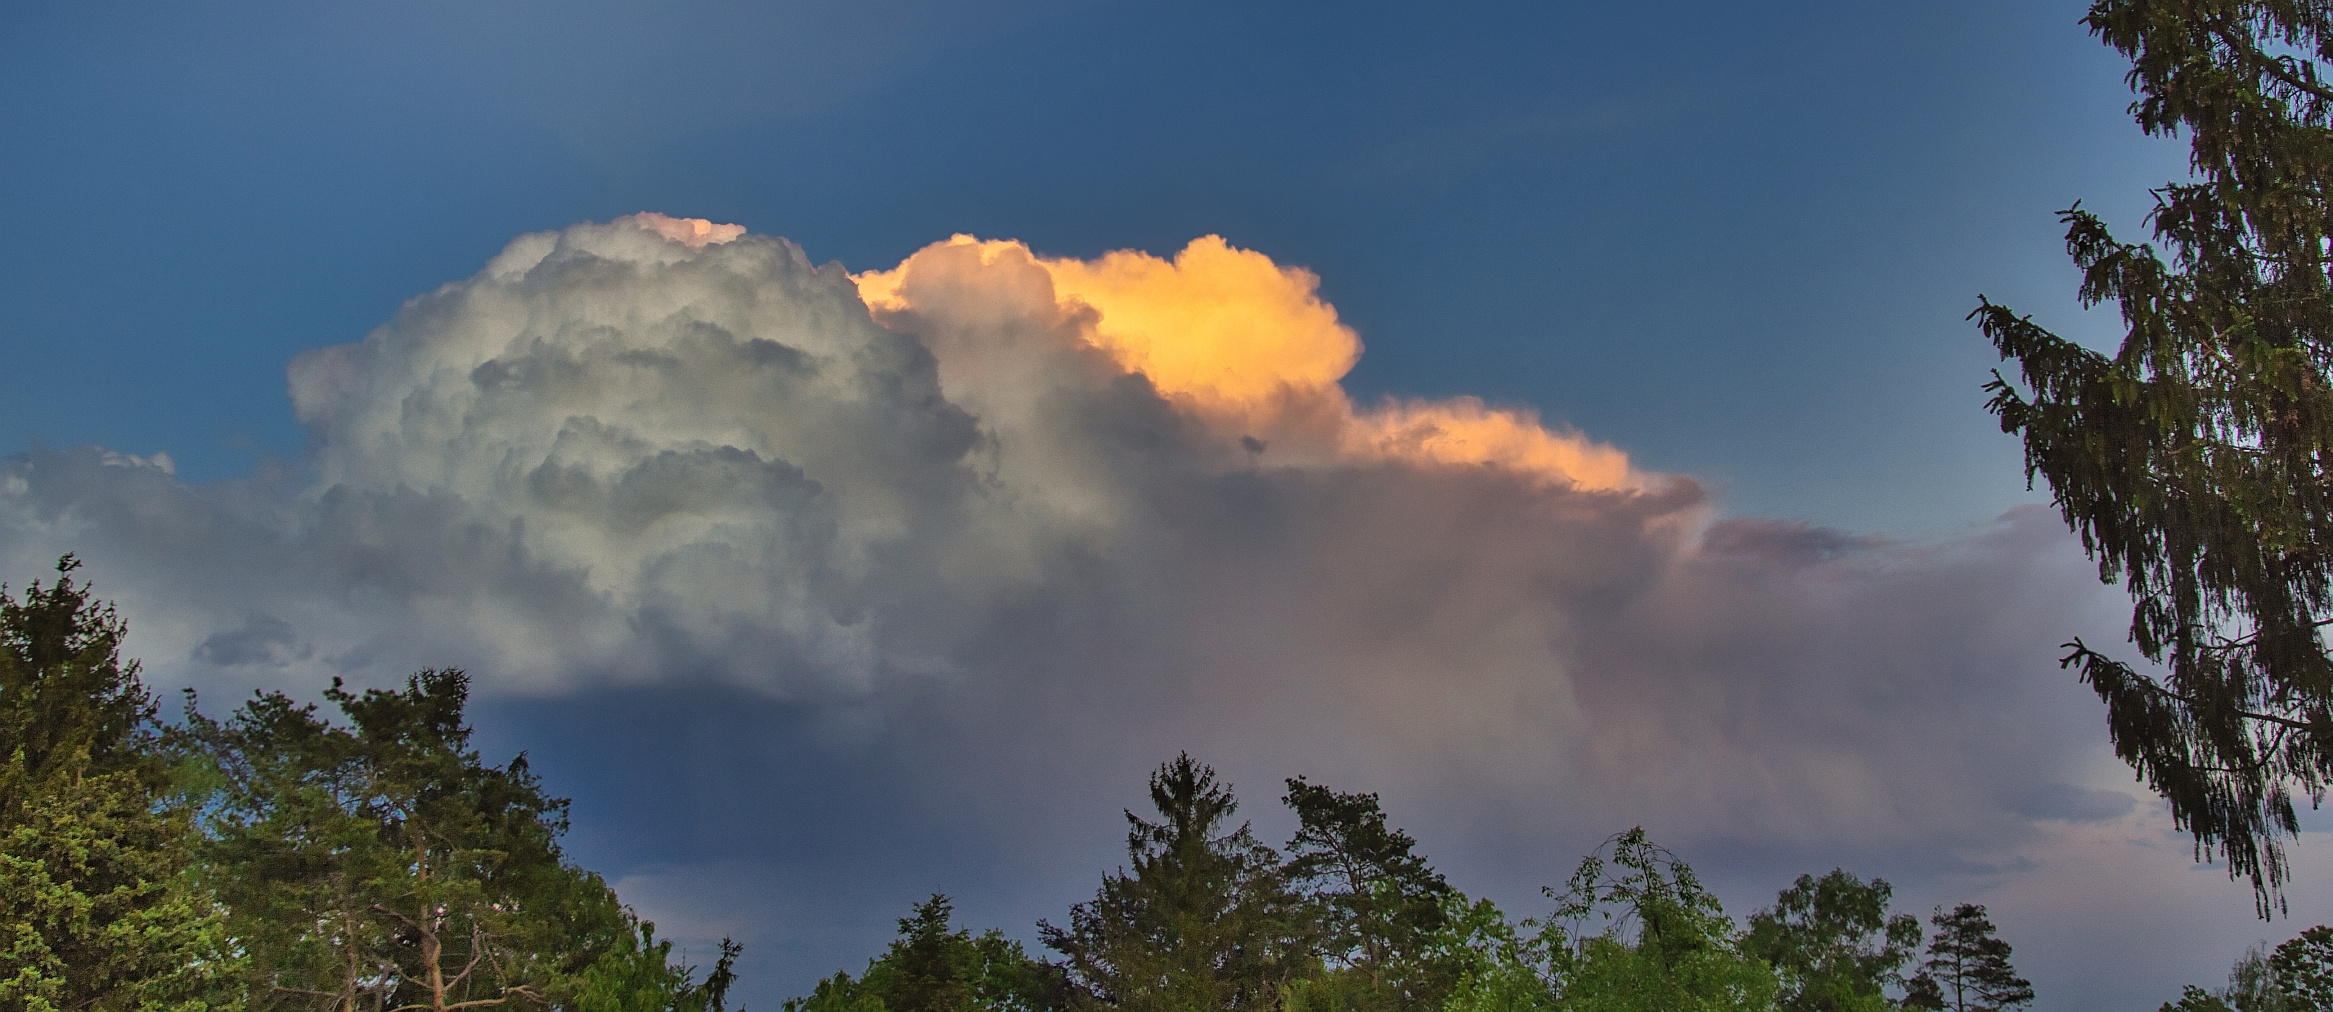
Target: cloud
{"type": "Point", "coordinates": [990, 533]}
{"type": "Point", "coordinates": [1237, 343]}
{"type": "Point", "coordinates": [661, 451]}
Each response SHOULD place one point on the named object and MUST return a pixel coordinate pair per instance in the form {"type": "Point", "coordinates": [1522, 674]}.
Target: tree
{"type": "Point", "coordinates": [2296, 976]}
{"type": "Point", "coordinates": [1501, 969]}
{"type": "Point", "coordinates": [383, 865]}
{"type": "Point", "coordinates": [99, 906]}
{"type": "Point", "coordinates": [1833, 941]}
{"type": "Point", "coordinates": [1383, 906]}
{"type": "Point", "coordinates": [2194, 461]}
{"type": "Point", "coordinates": [933, 968]}
{"type": "Point", "coordinates": [1204, 921]}
{"type": "Point", "coordinates": [1968, 967]}
{"type": "Point", "coordinates": [1666, 944]}
{"type": "Point", "coordinates": [639, 973]}
{"type": "Point", "coordinates": [2302, 968]}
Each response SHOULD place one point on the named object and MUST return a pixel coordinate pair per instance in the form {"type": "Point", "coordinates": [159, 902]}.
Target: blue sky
{"type": "Point", "coordinates": [1736, 242]}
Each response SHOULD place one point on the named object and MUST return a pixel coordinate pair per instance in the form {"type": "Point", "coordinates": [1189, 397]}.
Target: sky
{"type": "Point", "coordinates": [1554, 417]}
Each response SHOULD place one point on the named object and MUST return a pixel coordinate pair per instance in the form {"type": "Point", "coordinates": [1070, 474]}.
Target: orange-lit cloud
{"type": "Point", "coordinates": [1249, 346]}
{"type": "Point", "coordinates": [695, 232]}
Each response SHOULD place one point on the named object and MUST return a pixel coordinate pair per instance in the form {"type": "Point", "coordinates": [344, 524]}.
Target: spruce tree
{"type": "Point", "coordinates": [2196, 460]}
{"type": "Point", "coordinates": [1203, 919]}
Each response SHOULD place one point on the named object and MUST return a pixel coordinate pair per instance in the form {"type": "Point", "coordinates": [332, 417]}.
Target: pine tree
{"type": "Point", "coordinates": [1968, 966]}
{"type": "Point", "coordinates": [1383, 906]}
{"type": "Point", "coordinates": [383, 864]}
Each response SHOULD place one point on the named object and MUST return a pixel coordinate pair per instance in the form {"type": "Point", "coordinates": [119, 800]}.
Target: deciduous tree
{"type": "Point", "coordinates": [1666, 942]}
{"type": "Point", "coordinates": [2296, 976]}
{"type": "Point", "coordinates": [1834, 942]}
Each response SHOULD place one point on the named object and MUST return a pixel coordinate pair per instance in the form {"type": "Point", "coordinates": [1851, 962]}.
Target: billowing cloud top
{"type": "Point", "coordinates": [1234, 340]}
{"type": "Point", "coordinates": [712, 446]}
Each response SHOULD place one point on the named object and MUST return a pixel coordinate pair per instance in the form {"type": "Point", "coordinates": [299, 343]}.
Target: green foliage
{"type": "Point", "coordinates": [1968, 968]}
{"type": "Point", "coordinates": [1503, 970]}
{"type": "Point", "coordinates": [67, 698]}
{"type": "Point", "coordinates": [2301, 969]}
{"type": "Point", "coordinates": [838, 993]}
{"type": "Point", "coordinates": [276, 859]}
{"type": "Point", "coordinates": [380, 866]}
{"type": "Point", "coordinates": [98, 908]}
{"type": "Point", "coordinates": [385, 865]}
{"type": "Point", "coordinates": [1833, 942]}
{"type": "Point", "coordinates": [638, 974]}
{"type": "Point", "coordinates": [1382, 907]}
{"type": "Point", "coordinates": [2196, 999]}
{"type": "Point", "coordinates": [2296, 976]}
{"type": "Point", "coordinates": [1206, 920]}
{"type": "Point", "coordinates": [933, 968]}
{"type": "Point", "coordinates": [1666, 942]}
{"type": "Point", "coordinates": [99, 905]}
{"type": "Point", "coordinates": [2194, 461]}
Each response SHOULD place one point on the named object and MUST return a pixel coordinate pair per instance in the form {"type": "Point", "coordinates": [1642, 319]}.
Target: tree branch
{"type": "Point", "coordinates": [2272, 66]}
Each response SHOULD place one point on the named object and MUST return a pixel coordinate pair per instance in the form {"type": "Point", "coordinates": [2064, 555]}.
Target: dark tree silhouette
{"type": "Point", "coordinates": [1967, 969]}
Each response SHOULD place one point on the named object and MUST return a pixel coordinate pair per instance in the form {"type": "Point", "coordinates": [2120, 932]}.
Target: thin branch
{"type": "Point", "coordinates": [521, 991]}
{"type": "Point", "coordinates": [2270, 65]}
{"type": "Point", "coordinates": [477, 952]}
{"type": "Point", "coordinates": [2267, 718]}
{"type": "Point", "coordinates": [409, 922]}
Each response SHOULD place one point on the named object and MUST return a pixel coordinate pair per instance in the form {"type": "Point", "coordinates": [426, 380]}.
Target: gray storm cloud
{"type": "Point", "coordinates": [654, 452]}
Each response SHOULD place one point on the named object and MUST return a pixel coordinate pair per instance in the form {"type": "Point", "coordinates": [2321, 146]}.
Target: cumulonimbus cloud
{"type": "Point", "coordinates": [1128, 493]}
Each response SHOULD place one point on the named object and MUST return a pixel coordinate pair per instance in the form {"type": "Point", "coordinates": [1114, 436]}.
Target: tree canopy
{"type": "Point", "coordinates": [101, 906]}
{"type": "Point", "coordinates": [935, 967]}
{"type": "Point", "coordinates": [279, 860]}
{"type": "Point", "coordinates": [383, 864]}
{"type": "Point", "coordinates": [1384, 910]}
{"type": "Point", "coordinates": [1834, 942]}
{"type": "Point", "coordinates": [1202, 919]}
{"type": "Point", "coordinates": [280, 857]}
